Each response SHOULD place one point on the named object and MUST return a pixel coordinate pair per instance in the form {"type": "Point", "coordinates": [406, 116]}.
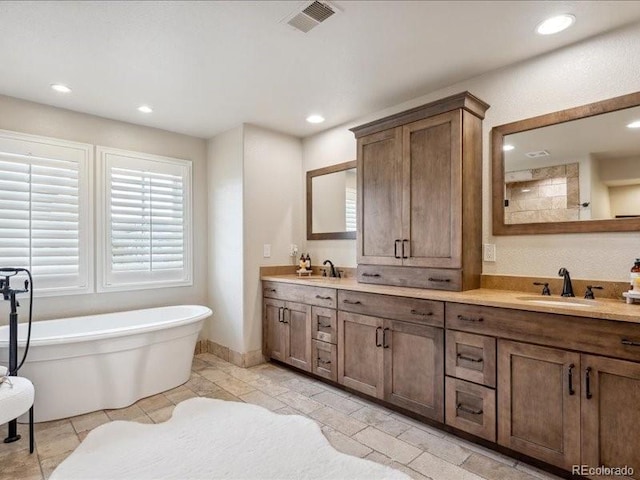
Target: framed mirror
{"type": "Point", "coordinates": [572, 171]}
{"type": "Point", "coordinates": [331, 202]}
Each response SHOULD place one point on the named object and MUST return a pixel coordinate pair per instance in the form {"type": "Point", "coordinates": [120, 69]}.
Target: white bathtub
{"type": "Point", "coordinates": [83, 364]}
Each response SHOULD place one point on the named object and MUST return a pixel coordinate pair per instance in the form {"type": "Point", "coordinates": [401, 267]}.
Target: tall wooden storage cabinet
{"type": "Point", "coordinates": [420, 196]}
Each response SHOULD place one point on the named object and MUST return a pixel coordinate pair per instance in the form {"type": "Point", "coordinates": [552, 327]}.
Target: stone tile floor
{"type": "Point", "coordinates": [352, 424]}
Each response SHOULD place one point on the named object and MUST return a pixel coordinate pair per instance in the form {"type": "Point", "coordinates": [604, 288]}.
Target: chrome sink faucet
{"type": "Point", "coordinates": [333, 272]}
{"type": "Point", "coordinates": [567, 288]}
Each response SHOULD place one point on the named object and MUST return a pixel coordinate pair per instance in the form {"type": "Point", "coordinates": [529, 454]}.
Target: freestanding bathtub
{"type": "Point", "coordinates": [83, 364]}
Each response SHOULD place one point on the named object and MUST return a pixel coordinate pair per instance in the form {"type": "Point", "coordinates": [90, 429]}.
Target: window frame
{"type": "Point", "coordinates": [105, 281]}
{"type": "Point", "coordinates": [26, 144]}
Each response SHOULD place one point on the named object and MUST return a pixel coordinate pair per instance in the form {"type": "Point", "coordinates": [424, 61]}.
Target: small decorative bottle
{"type": "Point", "coordinates": [303, 263]}
{"type": "Point", "coordinates": [308, 262]}
{"type": "Point", "coordinates": [635, 276]}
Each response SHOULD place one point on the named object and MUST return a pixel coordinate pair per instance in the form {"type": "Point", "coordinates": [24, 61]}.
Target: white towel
{"type": "Point", "coordinates": [3, 371]}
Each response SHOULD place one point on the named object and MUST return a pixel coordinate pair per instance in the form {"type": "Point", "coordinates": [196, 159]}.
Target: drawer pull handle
{"type": "Point", "coordinates": [395, 249]}
{"type": "Point", "coordinates": [405, 255]}
{"type": "Point", "coordinates": [370, 274]}
{"type": "Point", "coordinates": [630, 343]}
{"type": "Point", "coordinates": [442, 280]}
{"type": "Point", "coordinates": [281, 314]}
{"type": "Point", "coordinates": [465, 409]}
{"type": "Point", "coordinates": [571, 390]}
{"type": "Point", "coordinates": [324, 325]}
{"type": "Point", "coordinates": [378, 344]}
{"type": "Point", "coordinates": [470, 319]}
{"type": "Point", "coordinates": [351, 302]}
{"type": "Point", "coordinates": [320, 297]}
{"type": "Point", "coordinates": [462, 356]}
{"type": "Point", "coordinates": [587, 381]}
{"type": "Point", "coordinates": [323, 362]}
{"type": "Point", "coordinates": [422, 314]}
{"type": "Point", "coordinates": [270, 290]}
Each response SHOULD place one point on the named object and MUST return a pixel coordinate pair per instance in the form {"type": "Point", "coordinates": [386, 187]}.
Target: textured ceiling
{"type": "Point", "coordinates": [208, 66]}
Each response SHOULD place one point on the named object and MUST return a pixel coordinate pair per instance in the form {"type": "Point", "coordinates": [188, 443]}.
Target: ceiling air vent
{"type": "Point", "coordinates": [541, 153]}
{"type": "Point", "coordinates": [310, 15]}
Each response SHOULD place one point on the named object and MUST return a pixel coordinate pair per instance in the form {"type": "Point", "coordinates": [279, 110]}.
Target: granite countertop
{"type": "Point", "coordinates": [606, 309]}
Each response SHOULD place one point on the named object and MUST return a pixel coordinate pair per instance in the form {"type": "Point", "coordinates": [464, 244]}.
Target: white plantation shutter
{"type": "Point", "coordinates": [146, 220]}
{"type": "Point", "coordinates": [350, 209]}
{"type": "Point", "coordinates": [44, 211]}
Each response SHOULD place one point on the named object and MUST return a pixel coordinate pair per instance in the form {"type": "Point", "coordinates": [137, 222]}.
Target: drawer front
{"type": "Point", "coordinates": [324, 360]}
{"type": "Point", "coordinates": [320, 296]}
{"type": "Point", "coordinates": [427, 312]}
{"type": "Point", "coordinates": [471, 357]}
{"type": "Point", "coordinates": [324, 324]}
{"type": "Point", "coordinates": [589, 335]}
{"type": "Point", "coordinates": [471, 408]}
{"type": "Point", "coordinates": [433, 278]}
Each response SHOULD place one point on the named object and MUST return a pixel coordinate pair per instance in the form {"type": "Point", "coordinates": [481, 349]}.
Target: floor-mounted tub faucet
{"type": "Point", "coordinates": [567, 288]}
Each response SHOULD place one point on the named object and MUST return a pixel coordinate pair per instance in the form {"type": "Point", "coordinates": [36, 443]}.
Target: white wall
{"type": "Point", "coordinates": [586, 72]}
{"type": "Point", "coordinates": [625, 200]}
{"type": "Point", "coordinates": [225, 220]}
{"type": "Point", "coordinates": [600, 205]}
{"type": "Point", "coordinates": [273, 214]}
{"type": "Point", "coordinates": [28, 117]}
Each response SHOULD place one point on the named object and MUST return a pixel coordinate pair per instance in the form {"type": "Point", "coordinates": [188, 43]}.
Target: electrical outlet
{"type": "Point", "coordinates": [489, 252]}
{"type": "Point", "coordinates": [293, 250]}
{"type": "Point", "coordinates": [266, 250]}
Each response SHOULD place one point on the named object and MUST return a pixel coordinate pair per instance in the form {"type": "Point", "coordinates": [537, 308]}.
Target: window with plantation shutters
{"type": "Point", "coordinates": [350, 209]}
{"type": "Point", "coordinates": [44, 211]}
{"type": "Point", "coordinates": [145, 226]}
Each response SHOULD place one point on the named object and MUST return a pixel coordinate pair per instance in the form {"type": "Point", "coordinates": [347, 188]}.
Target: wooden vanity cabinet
{"type": "Point", "coordinates": [539, 402]}
{"type": "Point", "coordinates": [419, 191]}
{"type": "Point", "coordinates": [561, 397]}
{"type": "Point", "coordinates": [611, 413]}
{"type": "Point", "coordinates": [399, 359]}
{"type": "Point", "coordinates": [287, 325]}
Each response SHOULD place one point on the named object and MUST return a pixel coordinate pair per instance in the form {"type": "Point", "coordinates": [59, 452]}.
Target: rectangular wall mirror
{"type": "Point", "coordinates": [331, 202]}
{"type": "Point", "coordinates": [573, 171]}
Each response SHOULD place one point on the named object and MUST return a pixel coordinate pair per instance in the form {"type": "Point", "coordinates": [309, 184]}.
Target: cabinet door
{"type": "Point", "coordinates": [274, 328]}
{"type": "Point", "coordinates": [414, 368]}
{"type": "Point", "coordinates": [432, 191]}
{"type": "Point", "coordinates": [611, 413]}
{"type": "Point", "coordinates": [539, 402]}
{"type": "Point", "coordinates": [360, 353]}
{"type": "Point", "coordinates": [379, 216]}
{"type": "Point", "coordinates": [297, 318]}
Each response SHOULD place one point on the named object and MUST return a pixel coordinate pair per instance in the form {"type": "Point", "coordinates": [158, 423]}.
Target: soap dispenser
{"type": "Point", "coordinates": [308, 262]}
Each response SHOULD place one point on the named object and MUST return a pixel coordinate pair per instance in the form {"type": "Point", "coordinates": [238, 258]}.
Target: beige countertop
{"type": "Point", "coordinates": [606, 309]}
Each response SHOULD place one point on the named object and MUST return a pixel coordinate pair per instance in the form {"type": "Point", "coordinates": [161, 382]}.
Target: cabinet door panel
{"type": "Point", "coordinates": [414, 371]}
{"type": "Point", "coordinates": [360, 353]}
{"type": "Point", "coordinates": [298, 335]}
{"type": "Point", "coordinates": [538, 414]}
{"type": "Point", "coordinates": [380, 197]}
{"type": "Point", "coordinates": [611, 417]}
{"type": "Point", "coordinates": [432, 192]}
{"type": "Point", "coordinates": [274, 339]}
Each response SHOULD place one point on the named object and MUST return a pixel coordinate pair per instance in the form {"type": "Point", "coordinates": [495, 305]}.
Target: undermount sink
{"type": "Point", "coordinates": [559, 301]}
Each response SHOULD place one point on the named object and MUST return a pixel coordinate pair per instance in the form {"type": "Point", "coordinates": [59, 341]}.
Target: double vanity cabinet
{"type": "Point", "coordinates": [560, 388]}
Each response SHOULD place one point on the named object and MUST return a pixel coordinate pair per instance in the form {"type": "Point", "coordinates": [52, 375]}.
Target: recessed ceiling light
{"type": "Point", "coordinates": [508, 148]}
{"type": "Point", "coordinates": [555, 24]}
{"type": "Point", "coordinates": [58, 87]}
{"type": "Point", "coordinates": [635, 124]}
{"type": "Point", "coordinates": [315, 119]}
{"type": "Point", "coordinates": [145, 109]}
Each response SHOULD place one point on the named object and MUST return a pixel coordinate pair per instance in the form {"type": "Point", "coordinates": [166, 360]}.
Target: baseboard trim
{"type": "Point", "coordinates": [244, 360]}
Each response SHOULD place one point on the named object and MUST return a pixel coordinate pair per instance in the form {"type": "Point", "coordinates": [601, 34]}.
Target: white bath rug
{"type": "Point", "coordinates": [215, 439]}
